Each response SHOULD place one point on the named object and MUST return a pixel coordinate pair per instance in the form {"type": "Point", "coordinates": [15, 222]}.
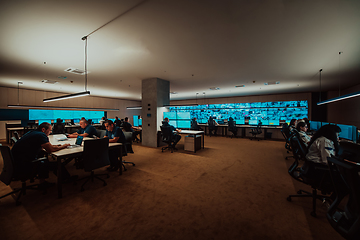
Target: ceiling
{"type": "Point", "coordinates": [194, 44]}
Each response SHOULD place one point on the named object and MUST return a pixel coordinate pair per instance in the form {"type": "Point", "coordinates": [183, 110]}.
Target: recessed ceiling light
{"type": "Point", "coordinates": [214, 88]}
{"type": "Point", "coordinates": [75, 70]}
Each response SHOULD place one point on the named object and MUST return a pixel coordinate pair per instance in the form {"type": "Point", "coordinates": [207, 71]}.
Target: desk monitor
{"type": "Point", "coordinates": [265, 122]}
{"type": "Point", "coordinates": [140, 122]}
{"type": "Point", "coordinates": [314, 125]}
{"type": "Point", "coordinates": [220, 121]}
{"type": "Point", "coordinates": [183, 115]}
{"type": "Point", "coordinates": [76, 121]}
{"type": "Point", "coordinates": [253, 122]}
{"type": "Point", "coordinates": [170, 115]}
{"type": "Point", "coordinates": [274, 122]}
{"type": "Point", "coordinates": [240, 121]}
{"type": "Point", "coordinates": [183, 124]}
{"type": "Point", "coordinates": [135, 120]}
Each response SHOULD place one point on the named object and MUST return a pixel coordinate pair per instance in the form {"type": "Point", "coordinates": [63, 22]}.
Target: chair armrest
{"type": "Point", "coordinates": [40, 159]}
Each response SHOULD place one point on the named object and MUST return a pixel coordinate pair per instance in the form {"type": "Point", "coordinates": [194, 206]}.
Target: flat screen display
{"type": "Point", "coordinates": [253, 122]}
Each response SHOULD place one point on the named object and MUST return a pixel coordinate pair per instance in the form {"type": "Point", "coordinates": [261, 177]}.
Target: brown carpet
{"type": "Point", "coordinates": [232, 189]}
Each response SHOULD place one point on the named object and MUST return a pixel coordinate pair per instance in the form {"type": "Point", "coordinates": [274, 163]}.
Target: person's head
{"type": "Point", "coordinates": [299, 121]}
{"type": "Point", "coordinates": [126, 119]}
{"type": "Point", "coordinates": [166, 119]}
{"type": "Point", "coordinates": [82, 118]}
{"type": "Point", "coordinates": [329, 131]}
{"type": "Point", "coordinates": [292, 122]}
{"type": "Point", "coordinates": [301, 126]}
{"type": "Point", "coordinates": [210, 118]}
{"type": "Point", "coordinates": [194, 119]}
{"type": "Point", "coordinates": [103, 118]}
{"type": "Point", "coordinates": [306, 121]}
{"type": "Point", "coordinates": [45, 128]}
{"type": "Point", "coordinates": [116, 118]}
{"type": "Point", "coordinates": [109, 125]}
{"type": "Point", "coordinates": [231, 119]}
{"type": "Point", "coordinates": [83, 123]}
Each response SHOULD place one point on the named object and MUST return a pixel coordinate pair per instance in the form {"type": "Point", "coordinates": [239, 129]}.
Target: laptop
{"type": "Point", "coordinates": [78, 142]}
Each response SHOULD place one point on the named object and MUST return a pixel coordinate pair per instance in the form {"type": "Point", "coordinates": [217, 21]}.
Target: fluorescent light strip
{"type": "Point", "coordinates": [67, 108]}
{"type": "Point", "coordinates": [134, 108]}
{"type": "Point", "coordinates": [81, 94]}
{"type": "Point", "coordinates": [351, 95]}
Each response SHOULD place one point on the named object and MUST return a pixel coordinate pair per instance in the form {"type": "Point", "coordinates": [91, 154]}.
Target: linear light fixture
{"type": "Point", "coordinates": [67, 108]}
{"type": "Point", "coordinates": [81, 94]}
{"type": "Point", "coordinates": [351, 95]}
{"type": "Point", "coordinates": [134, 107]}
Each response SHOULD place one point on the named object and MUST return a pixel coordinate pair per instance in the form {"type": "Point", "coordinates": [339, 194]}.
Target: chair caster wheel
{"type": "Point", "coordinates": [313, 214]}
{"type": "Point", "coordinates": [289, 199]}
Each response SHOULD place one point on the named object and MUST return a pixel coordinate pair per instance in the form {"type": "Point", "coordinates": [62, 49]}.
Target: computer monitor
{"type": "Point", "coordinates": [76, 121]}
{"type": "Point", "coordinates": [253, 122]}
{"type": "Point", "coordinates": [346, 132]}
{"type": "Point", "coordinates": [183, 124]}
{"type": "Point", "coordinates": [173, 123]}
{"type": "Point", "coordinates": [314, 125]}
{"type": "Point", "coordinates": [140, 122]}
{"type": "Point", "coordinates": [240, 121]}
{"type": "Point", "coordinates": [135, 120]}
{"type": "Point", "coordinates": [274, 122]}
{"type": "Point", "coordinates": [265, 122]}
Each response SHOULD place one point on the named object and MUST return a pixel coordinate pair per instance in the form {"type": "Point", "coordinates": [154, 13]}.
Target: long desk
{"type": "Point", "coordinates": [66, 153]}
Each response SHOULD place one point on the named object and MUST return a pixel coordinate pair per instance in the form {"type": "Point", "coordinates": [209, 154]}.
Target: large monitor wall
{"type": "Point", "coordinates": [280, 110]}
{"type": "Point", "coordinates": [35, 114]}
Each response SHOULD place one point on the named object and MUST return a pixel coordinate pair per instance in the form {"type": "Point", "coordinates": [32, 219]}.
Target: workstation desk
{"type": "Point", "coordinates": [276, 130]}
{"type": "Point", "coordinates": [69, 153]}
{"type": "Point", "coordinates": [187, 132]}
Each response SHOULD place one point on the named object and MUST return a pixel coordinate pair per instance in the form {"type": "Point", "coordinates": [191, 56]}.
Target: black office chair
{"type": "Point", "coordinates": [232, 128]}
{"type": "Point", "coordinates": [59, 128]}
{"type": "Point", "coordinates": [167, 137]}
{"type": "Point", "coordinates": [285, 131]}
{"type": "Point", "coordinates": [128, 147]}
{"type": "Point", "coordinates": [313, 174]}
{"type": "Point", "coordinates": [256, 131]}
{"type": "Point", "coordinates": [100, 133]}
{"type": "Point", "coordinates": [346, 180]}
{"type": "Point", "coordinates": [9, 174]}
{"type": "Point", "coordinates": [95, 155]}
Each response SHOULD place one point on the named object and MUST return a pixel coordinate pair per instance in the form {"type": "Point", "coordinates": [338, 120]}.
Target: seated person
{"type": "Point", "coordinates": [301, 127]}
{"type": "Point", "coordinates": [176, 137]}
{"type": "Point", "coordinates": [115, 135]}
{"type": "Point", "coordinates": [127, 127]}
{"type": "Point", "coordinates": [323, 144]}
{"type": "Point", "coordinates": [86, 130]}
{"type": "Point", "coordinates": [232, 126]}
{"type": "Point", "coordinates": [212, 125]}
{"type": "Point", "coordinates": [117, 122]}
{"type": "Point", "coordinates": [28, 148]}
{"type": "Point", "coordinates": [194, 125]}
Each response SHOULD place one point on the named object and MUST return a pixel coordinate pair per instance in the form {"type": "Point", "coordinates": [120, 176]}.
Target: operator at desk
{"type": "Point", "coordinates": [177, 137]}
{"type": "Point", "coordinates": [86, 130]}
{"type": "Point", "coordinates": [115, 135]}
{"type": "Point", "coordinates": [27, 149]}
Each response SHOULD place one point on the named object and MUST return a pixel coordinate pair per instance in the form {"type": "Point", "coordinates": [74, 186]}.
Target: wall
{"type": "Point", "coordinates": [9, 96]}
{"type": "Point", "coordinates": [345, 111]}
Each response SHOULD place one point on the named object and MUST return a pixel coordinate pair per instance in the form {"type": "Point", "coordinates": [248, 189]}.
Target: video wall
{"type": "Point", "coordinates": [48, 115]}
{"type": "Point", "coordinates": [270, 113]}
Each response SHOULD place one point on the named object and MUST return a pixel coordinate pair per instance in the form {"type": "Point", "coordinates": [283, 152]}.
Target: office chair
{"type": "Point", "coordinates": [95, 155]}
{"type": "Point", "coordinates": [212, 127]}
{"type": "Point", "coordinates": [346, 180]}
{"type": "Point", "coordinates": [59, 127]}
{"type": "Point", "coordinates": [256, 131]}
{"type": "Point", "coordinates": [312, 174]}
{"type": "Point", "coordinates": [9, 174]}
{"type": "Point", "coordinates": [128, 147]}
{"type": "Point", "coordinates": [232, 128]}
{"type": "Point", "coordinates": [100, 133]}
{"type": "Point", "coordinates": [16, 135]}
{"type": "Point", "coordinates": [285, 131]}
{"type": "Point", "coordinates": [167, 137]}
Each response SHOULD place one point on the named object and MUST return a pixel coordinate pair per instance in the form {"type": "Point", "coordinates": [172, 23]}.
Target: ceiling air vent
{"type": "Point", "coordinates": [75, 70]}
{"type": "Point", "coordinates": [272, 83]}
{"type": "Point", "coordinates": [240, 86]}
{"type": "Point", "coordinates": [214, 88]}
{"type": "Point", "coordinates": [49, 81]}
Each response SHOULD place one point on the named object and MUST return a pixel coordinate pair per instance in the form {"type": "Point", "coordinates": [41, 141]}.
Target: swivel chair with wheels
{"type": "Point", "coordinates": [313, 174]}
{"type": "Point", "coordinates": [285, 131]}
{"type": "Point", "coordinates": [256, 131]}
{"type": "Point", "coordinates": [167, 137]}
{"type": "Point", "coordinates": [95, 156]}
{"type": "Point", "coordinates": [128, 147]}
{"type": "Point", "coordinates": [232, 128]}
{"type": "Point", "coordinates": [59, 127]}
{"type": "Point", "coordinates": [9, 174]}
{"type": "Point", "coordinates": [346, 180]}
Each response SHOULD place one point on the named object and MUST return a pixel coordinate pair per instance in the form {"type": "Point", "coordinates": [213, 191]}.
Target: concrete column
{"type": "Point", "coordinates": [155, 94]}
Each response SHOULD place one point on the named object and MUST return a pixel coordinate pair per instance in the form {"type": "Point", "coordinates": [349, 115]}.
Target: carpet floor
{"type": "Point", "coordinates": [232, 189]}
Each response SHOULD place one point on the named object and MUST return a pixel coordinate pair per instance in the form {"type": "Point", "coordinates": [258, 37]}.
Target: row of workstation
{"type": "Point", "coordinates": [273, 132]}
